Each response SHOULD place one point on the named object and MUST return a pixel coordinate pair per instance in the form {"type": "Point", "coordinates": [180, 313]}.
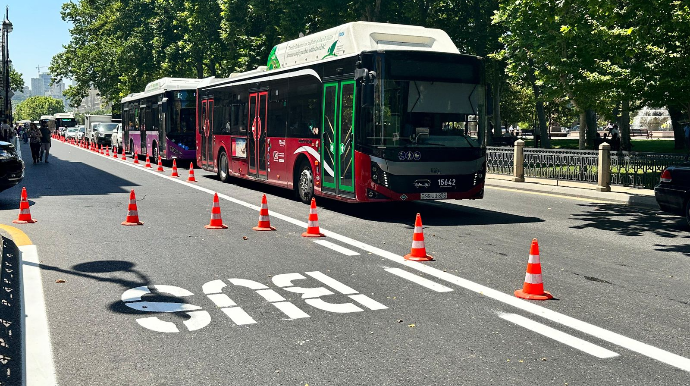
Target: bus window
{"type": "Point", "coordinates": [305, 108]}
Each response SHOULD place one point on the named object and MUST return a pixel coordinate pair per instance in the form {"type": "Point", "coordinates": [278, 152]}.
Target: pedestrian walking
{"type": "Point", "coordinates": [45, 140]}
{"type": "Point", "coordinates": [35, 142]}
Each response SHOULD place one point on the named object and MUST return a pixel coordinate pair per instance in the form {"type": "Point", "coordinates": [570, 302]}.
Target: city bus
{"type": "Point", "coordinates": [160, 121]}
{"type": "Point", "coordinates": [49, 121]}
{"type": "Point", "coordinates": [65, 120]}
{"type": "Point", "coordinates": [361, 112]}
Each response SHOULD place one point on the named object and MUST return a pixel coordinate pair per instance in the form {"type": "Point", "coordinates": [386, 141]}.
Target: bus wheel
{"type": "Point", "coordinates": [154, 153]}
{"type": "Point", "coordinates": [131, 148]}
{"type": "Point", "coordinates": [304, 186]}
{"type": "Point", "coordinates": [223, 174]}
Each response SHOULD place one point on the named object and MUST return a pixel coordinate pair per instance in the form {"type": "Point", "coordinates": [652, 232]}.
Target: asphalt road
{"type": "Point", "coordinates": [274, 308]}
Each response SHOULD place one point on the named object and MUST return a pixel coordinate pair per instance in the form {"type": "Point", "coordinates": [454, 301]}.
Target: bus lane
{"type": "Point", "coordinates": [273, 307]}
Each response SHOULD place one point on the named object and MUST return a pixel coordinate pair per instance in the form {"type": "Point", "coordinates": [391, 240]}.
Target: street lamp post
{"type": "Point", "coordinates": [6, 29]}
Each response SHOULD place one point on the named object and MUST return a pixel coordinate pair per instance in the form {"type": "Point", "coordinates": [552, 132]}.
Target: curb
{"type": "Point", "coordinates": [644, 201]}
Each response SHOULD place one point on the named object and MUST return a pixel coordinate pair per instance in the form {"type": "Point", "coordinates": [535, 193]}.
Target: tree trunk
{"type": "Point", "coordinates": [583, 130]}
{"type": "Point", "coordinates": [542, 130]}
{"type": "Point", "coordinates": [678, 133]}
{"type": "Point", "coordinates": [199, 69]}
{"type": "Point", "coordinates": [591, 139]}
{"type": "Point", "coordinates": [625, 126]}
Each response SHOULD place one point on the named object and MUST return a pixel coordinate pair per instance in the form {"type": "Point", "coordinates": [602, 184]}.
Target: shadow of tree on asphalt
{"type": "Point", "coordinates": [631, 221]}
{"type": "Point", "coordinates": [92, 269]}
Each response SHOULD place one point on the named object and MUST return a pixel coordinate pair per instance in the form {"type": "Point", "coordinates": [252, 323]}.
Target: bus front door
{"type": "Point", "coordinates": [337, 137]}
{"type": "Point", "coordinates": [258, 103]}
{"type": "Point", "coordinates": [206, 134]}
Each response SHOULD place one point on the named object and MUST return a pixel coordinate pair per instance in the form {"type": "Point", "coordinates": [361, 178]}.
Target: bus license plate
{"type": "Point", "coordinates": [434, 196]}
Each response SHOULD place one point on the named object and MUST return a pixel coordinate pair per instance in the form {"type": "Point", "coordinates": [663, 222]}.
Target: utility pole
{"type": "Point", "coordinates": [6, 113]}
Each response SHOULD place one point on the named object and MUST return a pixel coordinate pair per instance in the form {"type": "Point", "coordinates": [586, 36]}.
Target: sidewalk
{"type": "Point", "coordinates": [618, 194]}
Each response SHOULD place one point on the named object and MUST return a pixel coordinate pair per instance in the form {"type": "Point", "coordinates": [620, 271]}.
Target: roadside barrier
{"type": "Point", "coordinates": [24, 211]}
{"type": "Point", "coordinates": [174, 169]}
{"type": "Point", "coordinates": [132, 211]}
{"type": "Point", "coordinates": [264, 219]}
{"type": "Point", "coordinates": [148, 161]}
{"type": "Point", "coordinates": [160, 165]}
{"type": "Point", "coordinates": [313, 222]}
{"type": "Point", "coordinates": [191, 173]}
{"type": "Point", "coordinates": [418, 250]}
{"type": "Point", "coordinates": [533, 289]}
{"type": "Point", "coordinates": [216, 220]}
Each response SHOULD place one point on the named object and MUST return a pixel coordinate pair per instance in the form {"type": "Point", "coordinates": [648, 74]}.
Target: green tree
{"type": "Point", "coordinates": [16, 80]}
{"type": "Point", "coordinates": [32, 108]}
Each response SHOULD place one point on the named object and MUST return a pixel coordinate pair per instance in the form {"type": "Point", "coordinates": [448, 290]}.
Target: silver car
{"type": "Point", "coordinates": [116, 139]}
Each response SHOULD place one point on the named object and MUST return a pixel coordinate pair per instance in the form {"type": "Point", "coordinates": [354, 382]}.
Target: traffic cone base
{"type": "Point", "coordinates": [264, 219]}
{"type": "Point", "coordinates": [174, 169]}
{"type": "Point", "coordinates": [24, 211]}
{"type": "Point", "coordinates": [191, 177]}
{"type": "Point", "coordinates": [418, 250]}
{"type": "Point", "coordinates": [313, 229]}
{"type": "Point", "coordinates": [160, 166]}
{"type": "Point", "coordinates": [533, 288]}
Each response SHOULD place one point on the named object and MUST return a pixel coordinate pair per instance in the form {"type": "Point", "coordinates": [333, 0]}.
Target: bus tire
{"type": "Point", "coordinates": [154, 152]}
{"type": "Point", "coordinates": [223, 173]}
{"type": "Point", "coordinates": [304, 183]}
{"type": "Point", "coordinates": [131, 148]}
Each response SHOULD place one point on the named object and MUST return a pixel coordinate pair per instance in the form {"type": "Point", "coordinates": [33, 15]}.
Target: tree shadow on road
{"type": "Point", "coordinates": [631, 221]}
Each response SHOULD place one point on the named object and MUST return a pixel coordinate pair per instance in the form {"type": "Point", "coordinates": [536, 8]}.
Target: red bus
{"type": "Point", "coordinates": [361, 112]}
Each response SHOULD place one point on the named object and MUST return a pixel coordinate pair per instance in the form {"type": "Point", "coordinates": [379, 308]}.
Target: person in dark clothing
{"type": "Point", "coordinates": [35, 142]}
{"type": "Point", "coordinates": [45, 140]}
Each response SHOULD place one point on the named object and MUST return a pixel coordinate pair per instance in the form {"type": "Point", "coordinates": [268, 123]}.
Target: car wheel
{"type": "Point", "coordinates": [304, 186]}
{"type": "Point", "coordinates": [223, 174]}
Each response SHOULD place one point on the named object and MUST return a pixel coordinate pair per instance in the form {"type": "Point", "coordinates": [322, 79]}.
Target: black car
{"type": "Point", "coordinates": [673, 191]}
{"type": "Point", "coordinates": [11, 166]}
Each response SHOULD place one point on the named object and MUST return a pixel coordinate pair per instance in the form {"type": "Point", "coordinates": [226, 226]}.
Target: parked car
{"type": "Point", "coordinates": [71, 133]}
{"type": "Point", "coordinates": [81, 132]}
{"type": "Point", "coordinates": [116, 139]}
{"type": "Point", "coordinates": [673, 191]}
{"type": "Point", "coordinates": [102, 133]}
{"type": "Point", "coordinates": [11, 166]}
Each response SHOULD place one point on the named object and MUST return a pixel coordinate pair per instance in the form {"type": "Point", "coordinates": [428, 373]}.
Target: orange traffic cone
{"type": "Point", "coordinates": [107, 151]}
{"type": "Point", "coordinates": [191, 173]}
{"type": "Point", "coordinates": [148, 162]}
{"type": "Point", "coordinates": [124, 157]}
{"type": "Point", "coordinates": [174, 170]}
{"type": "Point", "coordinates": [216, 221]}
{"type": "Point", "coordinates": [132, 211]}
{"type": "Point", "coordinates": [313, 223]}
{"type": "Point", "coordinates": [160, 165]}
{"type": "Point", "coordinates": [24, 212]}
{"type": "Point", "coordinates": [102, 152]}
{"type": "Point", "coordinates": [136, 157]}
{"type": "Point", "coordinates": [533, 289]}
{"type": "Point", "coordinates": [264, 220]}
{"type": "Point", "coordinates": [418, 251]}
{"type": "Point", "coordinates": [114, 152]}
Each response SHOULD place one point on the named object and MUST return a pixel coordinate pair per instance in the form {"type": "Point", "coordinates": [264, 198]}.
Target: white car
{"type": "Point", "coordinates": [116, 139]}
{"type": "Point", "coordinates": [71, 133]}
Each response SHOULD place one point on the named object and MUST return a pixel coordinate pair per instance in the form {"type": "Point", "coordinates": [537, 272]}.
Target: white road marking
{"type": "Point", "coordinates": [237, 315]}
{"type": "Point", "coordinates": [291, 310]}
{"type": "Point", "coordinates": [560, 336]}
{"type": "Point", "coordinates": [37, 350]}
{"type": "Point", "coordinates": [418, 279]}
{"type": "Point", "coordinates": [557, 317]}
{"type": "Point", "coordinates": [336, 285]}
{"type": "Point", "coordinates": [337, 248]}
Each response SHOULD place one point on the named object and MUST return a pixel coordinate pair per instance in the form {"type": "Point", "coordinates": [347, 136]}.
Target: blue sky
{"type": "Point", "coordinates": [39, 33]}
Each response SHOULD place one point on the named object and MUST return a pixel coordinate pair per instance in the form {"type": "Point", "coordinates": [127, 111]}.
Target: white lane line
{"type": "Point", "coordinates": [37, 350]}
{"type": "Point", "coordinates": [336, 285]}
{"type": "Point", "coordinates": [418, 279]}
{"type": "Point", "coordinates": [560, 336]}
{"type": "Point", "coordinates": [336, 247]}
{"type": "Point", "coordinates": [524, 305]}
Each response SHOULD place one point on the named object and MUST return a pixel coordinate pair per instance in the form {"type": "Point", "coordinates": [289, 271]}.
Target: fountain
{"type": "Point", "coordinates": [652, 119]}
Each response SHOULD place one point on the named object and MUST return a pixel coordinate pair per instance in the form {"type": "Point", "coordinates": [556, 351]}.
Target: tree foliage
{"type": "Point", "coordinates": [16, 80]}
{"type": "Point", "coordinates": [35, 106]}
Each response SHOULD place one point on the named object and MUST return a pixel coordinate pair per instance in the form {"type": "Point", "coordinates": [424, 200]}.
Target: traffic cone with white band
{"type": "Point", "coordinates": [216, 220]}
{"type": "Point", "coordinates": [264, 220]}
{"type": "Point", "coordinates": [174, 170]}
{"type": "Point", "coordinates": [124, 157]}
{"type": "Point", "coordinates": [114, 152]}
{"type": "Point", "coordinates": [107, 151]}
{"type": "Point", "coordinates": [160, 165]}
{"type": "Point", "coordinates": [191, 173]}
{"type": "Point", "coordinates": [313, 223]}
{"type": "Point", "coordinates": [148, 161]}
{"type": "Point", "coordinates": [136, 157]}
{"type": "Point", "coordinates": [132, 211]}
{"type": "Point", "coordinates": [418, 250]}
{"type": "Point", "coordinates": [24, 212]}
{"type": "Point", "coordinates": [533, 289]}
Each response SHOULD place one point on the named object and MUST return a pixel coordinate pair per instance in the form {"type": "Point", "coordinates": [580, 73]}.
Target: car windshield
{"type": "Point", "coordinates": [71, 130]}
{"type": "Point", "coordinates": [109, 127]}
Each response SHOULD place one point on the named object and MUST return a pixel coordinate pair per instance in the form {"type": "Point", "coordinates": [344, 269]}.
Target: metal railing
{"type": "Point", "coordinates": [641, 170]}
{"type": "Point", "coordinates": [499, 160]}
{"type": "Point", "coordinates": [573, 165]}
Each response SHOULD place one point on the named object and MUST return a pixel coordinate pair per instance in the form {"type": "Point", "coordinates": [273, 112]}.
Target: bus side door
{"type": "Point", "coordinates": [207, 160]}
{"type": "Point", "coordinates": [256, 137]}
{"type": "Point", "coordinates": [337, 138]}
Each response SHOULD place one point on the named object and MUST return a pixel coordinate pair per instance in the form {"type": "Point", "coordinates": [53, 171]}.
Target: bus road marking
{"type": "Point", "coordinates": [560, 336]}
{"type": "Point", "coordinates": [418, 279]}
{"type": "Point", "coordinates": [641, 348]}
{"type": "Point", "coordinates": [336, 247]}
